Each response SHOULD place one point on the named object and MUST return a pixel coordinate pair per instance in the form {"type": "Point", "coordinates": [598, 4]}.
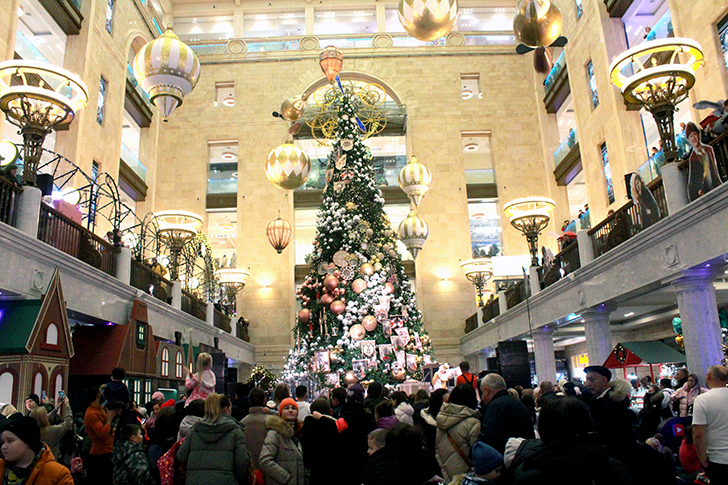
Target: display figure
{"type": "Point", "coordinates": [702, 168]}
{"type": "Point", "coordinates": [645, 202]}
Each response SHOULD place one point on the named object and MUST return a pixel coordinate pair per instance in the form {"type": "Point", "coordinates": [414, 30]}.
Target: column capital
{"type": "Point", "coordinates": [694, 279]}
{"type": "Point", "coordinates": [599, 312]}
{"type": "Point", "coordinates": [544, 332]}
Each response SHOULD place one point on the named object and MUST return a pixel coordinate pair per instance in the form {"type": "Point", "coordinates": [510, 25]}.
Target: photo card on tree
{"type": "Point", "coordinates": [397, 321]}
{"type": "Point", "coordinates": [397, 342]}
{"type": "Point", "coordinates": [323, 363]}
{"type": "Point", "coordinates": [332, 379]}
{"type": "Point", "coordinates": [387, 328]}
{"type": "Point", "coordinates": [385, 352]}
{"type": "Point", "coordinates": [368, 347]}
{"type": "Point", "coordinates": [401, 360]}
{"type": "Point", "coordinates": [411, 363]}
{"type": "Point", "coordinates": [359, 366]}
{"type": "Point", "coordinates": [404, 333]}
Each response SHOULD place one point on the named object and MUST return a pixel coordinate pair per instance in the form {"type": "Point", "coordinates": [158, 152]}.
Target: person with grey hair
{"type": "Point", "coordinates": [710, 425]}
{"type": "Point", "coordinates": [504, 416]}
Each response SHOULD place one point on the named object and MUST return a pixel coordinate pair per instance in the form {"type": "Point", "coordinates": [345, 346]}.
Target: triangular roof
{"type": "Point", "coordinates": [630, 354]}
{"type": "Point", "coordinates": [20, 320]}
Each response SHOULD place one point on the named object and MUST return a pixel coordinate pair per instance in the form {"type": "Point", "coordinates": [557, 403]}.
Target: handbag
{"type": "Point", "coordinates": [77, 462]}
{"type": "Point", "coordinates": [459, 451]}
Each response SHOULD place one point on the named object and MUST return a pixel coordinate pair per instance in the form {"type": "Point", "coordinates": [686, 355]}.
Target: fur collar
{"type": "Point", "coordinates": [619, 390]}
{"type": "Point", "coordinates": [277, 424]}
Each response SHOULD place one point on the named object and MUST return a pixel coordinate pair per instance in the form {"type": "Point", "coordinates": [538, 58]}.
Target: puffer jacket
{"type": "Point", "coordinates": [46, 471]}
{"type": "Point", "coordinates": [281, 458]}
{"type": "Point", "coordinates": [404, 413]}
{"type": "Point", "coordinates": [131, 466]}
{"type": "Point", "coordinates": [463, 425]}
{"type": "Point", "coordinates": [686, 397]}
{"type": "Point", "coordinates": [215, 453]}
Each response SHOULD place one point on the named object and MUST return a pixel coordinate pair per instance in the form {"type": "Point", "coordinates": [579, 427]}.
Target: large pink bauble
{"type": "Point", "coordinates": [357, 332]}
{"type": "Point", "coordinates": [370, 323]}
{"type": "Point", "coordinates": [388, 288]}
{"type": "Point", "coordinates": [359, 285]}
{"type": "Point", "coordinates": [327, 299]}
{"type": "Point", "coordinates": [338, 307]}
{"type": "Point", "coordinates": [304, 316]}
{"type": "Point", "coordinates": [331, 282]}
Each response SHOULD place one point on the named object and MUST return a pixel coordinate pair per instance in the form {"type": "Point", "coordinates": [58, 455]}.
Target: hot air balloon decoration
{"type": "Point", "coordinates": [537, 25]}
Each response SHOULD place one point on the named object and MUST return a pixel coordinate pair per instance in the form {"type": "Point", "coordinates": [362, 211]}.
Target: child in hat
{"type": "Point", "coordinates": [487, 464]}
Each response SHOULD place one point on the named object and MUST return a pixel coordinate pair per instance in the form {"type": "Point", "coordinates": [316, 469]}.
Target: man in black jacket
{"type": "Point", "coordinates": [504, 416]}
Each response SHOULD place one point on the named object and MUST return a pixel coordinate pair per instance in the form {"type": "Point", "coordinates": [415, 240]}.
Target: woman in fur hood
{"type": "Point", "coordinates": [281, 457]}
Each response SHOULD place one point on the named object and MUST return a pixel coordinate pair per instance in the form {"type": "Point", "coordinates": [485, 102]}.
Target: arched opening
{"type": "Point", "coordinates": [52, 334]}
{"type": "Point", "coordinates": [38, 384]}
{"type": "Point", "coordinates": [179, 365]}
{"type": "Point", "coordinates": [58, 386]}
{"type": "Point", "coordinates": [7, 387]}
{"type": "Point", "coordinates": [165, 362]}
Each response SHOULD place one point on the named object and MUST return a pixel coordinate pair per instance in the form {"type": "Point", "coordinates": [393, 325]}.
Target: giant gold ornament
{"type": "Point", "coordinates": [415, 180]}
{"type": "Point", "coordinates": [168, 70]}
{"type": "Point", "coordinates": [428, 19]}
{"type": "Point", "coordinates": [357, 332]}
{"type": "Point", "coordinates": [292, 108]}
{"type": "Point", "coordinates": [413, 232]}
{"type": "Point", "coordinates": [369, 323]}
{"type": "Point", "coordinates": [288, 166]}
{"type": "Point", "coordinates": [537, 23]}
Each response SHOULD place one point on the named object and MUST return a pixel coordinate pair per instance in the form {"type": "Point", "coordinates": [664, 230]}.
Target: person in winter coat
{"type": "Point", "coordinates": [572, 453]}
{"type": "Point", "coordinates": [202, 384]}
{"type": "Point", "coordinates": [215, 449]}
{"type": "Point", "coordinates": [26, 460]}
{"type": "Point", "coordinates": [610, 407]}
{"type": "Point", "coordinates": [687, 393]}
{"type": "Point", "coordinates": [487, 465]}
{"type": "Point", "coordinates": [458, 427]}
{"type": "Point", "coordinates": [131, 466]}
{"type": "Point", "coordinates": [429, 423]}
{"type": "Point", "coordinates": [384, 415]}
{"type": "Point", "coordinates": [650, 414]}
{"type": "Point", "coordinates": [354, 438]}
{"type": "Point", "coordinates": [50, 434]}
{"type": "Point", "coordinates": [504, 416]}
{"type": "Point", "coordinates": [281, 458]}
{"type": "Point", "coordinates": [320, 444]}
{"type": "Point", "coordinates": [402, 461]}
{"type": "Point", "coordinates": [402, 409]}
{"type": "Point", "coordinates": [254, 425]}
{"type": "Point", "coordinates": [195, 412]}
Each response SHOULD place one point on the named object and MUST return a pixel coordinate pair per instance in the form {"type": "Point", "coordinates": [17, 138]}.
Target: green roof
{"type": "Point", "coordinates": [17, 319]}
{"type": "Point", "coordinates": [654, 352]}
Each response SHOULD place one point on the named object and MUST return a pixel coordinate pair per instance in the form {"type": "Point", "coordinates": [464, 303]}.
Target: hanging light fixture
{"type": "Point", "coordinates": [279, 234]}
{"type": "Point", "coordinates": [168, 70]}
{"type": "Point", "coordinates": [413, 232]}
{"type": "Point", "coordinates": [331, 61]}
{"type": "Point", "coordinates": [415, 180]}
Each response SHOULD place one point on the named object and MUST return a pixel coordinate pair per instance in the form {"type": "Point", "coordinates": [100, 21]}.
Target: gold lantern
{"type": "Point", "coordinates": [288, 166]}
{"type": "Point", "coordinates": [331, 61]}
{"type": "Point", "coordinates": [537, 23]}
{"type": "Point", "coordinates": [279, 234]}
{"type": "Point", "coordinates": [168, 70]}
{"type": "Point", "coordinates": [413, 232]}
{"type": "Point", "coordinates": [292, 108]}
{"type": "Point", "coordinates": [428, 19]}
{"type": "Point", "coordinates": [415, 180]}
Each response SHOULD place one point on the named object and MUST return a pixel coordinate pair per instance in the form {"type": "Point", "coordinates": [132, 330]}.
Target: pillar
{"type": "Point", "coordinates": [123, 265]}
{"type": "Point", "coordinates": [210, 314]}
{"type": "Point", "coordinates": [699, 314]}
{"type": "Point", "coordinates": [586, 250]}
{"type": "Point", "coordinates": [534, 280]}
{"type": "Point", "coordinates": [502, 303]}
{"type": "Point", "coordinates": [598, 334]}
{"type": "Point", "coordinates": [177, 295]}
{"type": "Point", "coordinates": [676, 189]}
{"type": "Point", "coordinates": [27, 217]}
{"type": "Point", "coordinates": [543, 353]}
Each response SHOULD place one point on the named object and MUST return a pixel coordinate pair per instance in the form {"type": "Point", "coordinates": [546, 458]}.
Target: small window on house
{"type": "Point", "coordinates": [224, 94]}
{"type": "Point", "coordinates": [7, 383]}
{"type": "Point", "coordinates": [147, 391]}
{"type": "Point", "coordinates": [470, 86]}
{"type": "Point", "coordinates": [103, 84]}
{"type": "Point", "coordinates": [179, 365]}
{"type": "Point", "coordinates": [165, 362]}
{"type": "Point", "coordinates": [141, 335]}
{"type": "Point", "coordinates": [38, 383]}
{"type": "Point", "coordinates": [52, 334]}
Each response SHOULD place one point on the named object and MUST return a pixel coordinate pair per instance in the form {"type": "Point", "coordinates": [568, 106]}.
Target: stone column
{"type": "Point", "coordinates": [534, 280]}
{"type": "Point", "coordinates": [676, 189]}
{"type": "Point", "coordinates": [177, 295]}
{"type": "Point", "coordinates": [27, 209]}
{"type": "Point", "coordinates": [502, 303]}
{"type": "Point", "coordinates": [123, 265]}
{"type": "Point", "coordinates": [598, 334]}
{"type": "Point", "coordinates": [699, 314]}
{"type": "Point", "coordinates": [210, 314]}
{"type": "Point", "coordinates": [543, 353]}
{"type": "Point", "coordinates": [586, 250]}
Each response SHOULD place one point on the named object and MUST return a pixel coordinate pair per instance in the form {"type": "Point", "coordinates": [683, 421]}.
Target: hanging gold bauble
{"type": "Point", "coordinates": [366, 269]}
{"type": "Point", "coordinates": [357, 332]}
{"type": "Point", "coordinates": [288, 166]}
{"type": "Point", "coordinates": [358, 285]}
{"type": "Point", "coordinates": [413, 232]}
{"type": "Point", "coordinates": [415, 180]}
{"type": "Point", "coordinates": [537, 23]}
{"type": "Point", "coordinates": [428, 19]}
{"type": "Point", "coordinates": [292, 108]}
{"type": "Point", "coordinates": [679, 341]}
{"type": "Point", "coordinates": [369, 323]}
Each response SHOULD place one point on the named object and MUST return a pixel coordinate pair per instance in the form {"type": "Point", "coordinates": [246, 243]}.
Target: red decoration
{"type": "Point", "coordinates": [331, 61]}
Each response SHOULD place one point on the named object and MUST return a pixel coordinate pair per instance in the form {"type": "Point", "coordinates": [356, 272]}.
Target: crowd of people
{"type": "Point", "coordinates": [479, 432]}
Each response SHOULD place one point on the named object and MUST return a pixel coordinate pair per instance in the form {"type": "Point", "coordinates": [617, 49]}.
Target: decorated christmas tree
{"type": "Point", "coordinates": [359, 319]}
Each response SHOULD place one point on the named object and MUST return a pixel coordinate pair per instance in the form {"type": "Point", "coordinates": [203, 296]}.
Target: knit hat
{"type": "Point", "coordinates": [286, 402]}
{"type": "Point", "coordinates": [355, 392]}
{"type": "Point", "coordinates": [26, 429]}
{"type": "Point", "coordinates": [168, 403]}
{"type": "Point", "coordinates": [599, 369]}
{"type": "Point", "coordinates": [485, 458]}
{"type": "Point", "coordinates": [33, 397]}
{"type": "Point", "coordinates": [157, 396]}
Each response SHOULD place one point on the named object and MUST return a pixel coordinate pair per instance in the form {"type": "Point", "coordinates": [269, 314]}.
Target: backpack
{"type": "Point", "coordinates": [171, 470]}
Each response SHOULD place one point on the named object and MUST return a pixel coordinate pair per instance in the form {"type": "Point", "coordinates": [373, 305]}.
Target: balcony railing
{"type": "Point", "coordinates": [194, 306]}
{"type": "Point", "coordinates": [8, 200]}
{"type": "Point", "coordinates": [515, 294]}
{"type": "Point", "coordinates": [133, 162]}
{"type": "Point", "coordinates": [720, 147]}
{"type": "Point", "coordinates": [62, 233]}
{"type": "Point", "coordinates": [145, 279]}
{"type": "Point", "coordinates": [652, 168]}
{"type": "Point", "coordinates": [222, 321]}
{"type": "Point", "coordinates": [491, 309]}
{"type": "Point", "coordinates": [132, 79]}
{"type": "Point", "coordinates": [554, 72]}
{"type": "Point", "coordinates": [567, 261]}
{"type": "Point", "coordinates": [565, 147]}
{"type": "Point", "coordinates": [627, 221]}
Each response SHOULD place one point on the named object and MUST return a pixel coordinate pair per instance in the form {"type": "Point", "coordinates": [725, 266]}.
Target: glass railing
{"type": "Point", "coordinates": [554, 72]}
{"type": "Point", "coordinates": [386, 171]}
{"type": "Point", "coordinates": [25, 49]}
{"type": "Point", "coordinates": [652, 168]}
{"type": "Point", "coordinates": [133, 162]}
{"type": "Point", "coordinates": [485, 176]}
{"type": "Point", "coordinates": [566, 146]}
{"type": "Point", "coordinates": [662, 28]}
{"type": "Point", "coordinates": [132, 79]}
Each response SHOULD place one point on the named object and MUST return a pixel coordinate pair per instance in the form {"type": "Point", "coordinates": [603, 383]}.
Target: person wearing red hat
{"type": "Point", "coordinates": [281, 458]}
{"type": "Point", "coordinates": [169, 403]}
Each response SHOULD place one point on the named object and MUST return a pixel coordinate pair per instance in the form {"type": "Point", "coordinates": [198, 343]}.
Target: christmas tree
{"type": "Point", "coordinates": [359, 319]}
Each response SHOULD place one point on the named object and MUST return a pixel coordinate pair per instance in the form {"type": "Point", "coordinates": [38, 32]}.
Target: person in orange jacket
{"type": "Point", "coordinates": [99, 424]}
{"type": "Point", "coordinates": [26, 459]}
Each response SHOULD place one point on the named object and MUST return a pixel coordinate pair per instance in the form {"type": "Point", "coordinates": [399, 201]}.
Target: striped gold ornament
{"type": "Point", "coordinates": [415, 180]}
{"type": "Point", "coordinates": [413, 232]}
{"type": "Point", "coordinates": [428, 19]}
{"type": "Point", "coordinates": [167, 70]}
{"type": "Point", "coordinates": [288, 166]}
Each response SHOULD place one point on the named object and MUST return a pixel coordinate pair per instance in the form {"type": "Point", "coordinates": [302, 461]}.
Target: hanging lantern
{"type": "Point", "coordinates": [428, 19]}
{"type": "Point", "coordinates": [279, 234]}
{"type": "Point", "coordinates": [288, 166]}
{"type": "Point", "coordinates": [292, 108]}
{"type": "Point", "coordinates": [168, 70]}
{"type": "Point", "coordinates": [413, 232]}
{"type": "Point", "coordinates": [331, 61]}
{"type": "Point", "coordinates": [415, 180]}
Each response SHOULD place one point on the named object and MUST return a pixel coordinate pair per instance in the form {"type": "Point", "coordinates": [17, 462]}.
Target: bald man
{"type": "Point", "coordinates": [710, 425]}
{"type": "Point", "coordinates": [504, 416]}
